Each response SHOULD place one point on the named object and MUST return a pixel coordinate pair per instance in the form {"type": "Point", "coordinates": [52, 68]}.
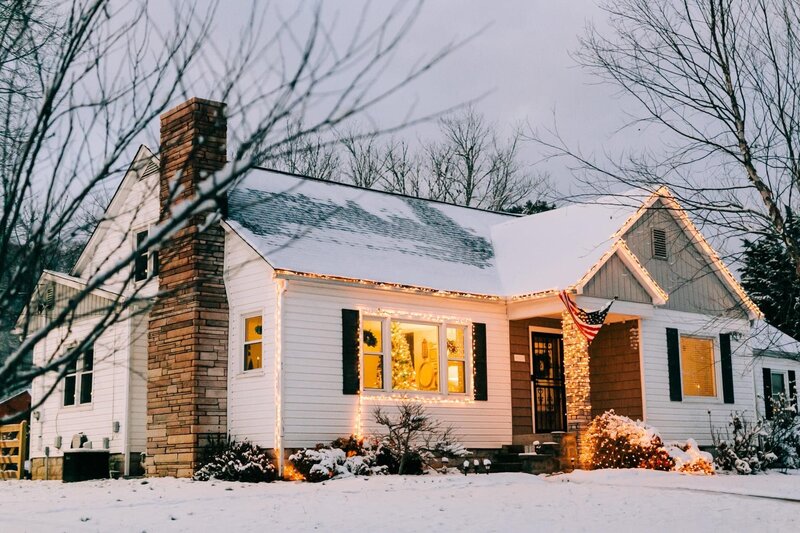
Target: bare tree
{"type": "Point", "coordinates": [363, 161]}
{"type": "Point", "coordinates": [79, 93]}
{"type": "Point", "coordinates": [718, 80]}
{"type": "Point", "coordinates": [308, 155]}
{"type": "Point", "coordinates": [474, 166]}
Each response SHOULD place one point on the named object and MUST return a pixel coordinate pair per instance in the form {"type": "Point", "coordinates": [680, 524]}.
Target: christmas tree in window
{"type": "Point", "coordinates": [403, 374]}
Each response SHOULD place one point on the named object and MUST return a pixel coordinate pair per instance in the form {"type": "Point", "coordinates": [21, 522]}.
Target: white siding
{"type": "Point", "coordinates": [108, 393]}
{"type": "Point", "coordinates": [314, 407]}
{"type": "Point", "coordinates": [139, 209]}
{"type": "Point", "coordinates": [251, 290]}
{"type": "Point", "coordinates": [776, 364]}
{"type": "Point", "coordinates": [137, 423]}
{"type": "Point", "coordinates": [690, 417]}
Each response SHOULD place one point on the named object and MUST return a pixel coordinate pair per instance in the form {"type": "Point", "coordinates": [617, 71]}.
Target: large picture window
{"type": "Point", "coordinates": [417, 356]}
{"type": "Point", "coordinates": [697, 366]}
{"type": "Point", "coordinates": [78, 380]}
{"type": "Point", "coordinates": [253, 345]}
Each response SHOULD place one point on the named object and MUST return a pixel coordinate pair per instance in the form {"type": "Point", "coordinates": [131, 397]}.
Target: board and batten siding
{"type": "Point", "coordinates": [687, 274]}
{"type": "Point", "coordinates": [314, 406]}
{"type": "Point", "coordinates": [614, 279]}
{"type": "Point", "coordinates": [109, 387]}
{"type": "Point", "coordinates": [251, 395]}
{"type": "Point", "coordinates": [689, 418]}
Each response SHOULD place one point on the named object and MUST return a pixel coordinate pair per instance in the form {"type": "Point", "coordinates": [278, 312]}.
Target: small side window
{"type": "Point", "coordinates": [659, 238]}
{"type": "Point", "coordinates": [253, 358]}
{"type": "Point", "coordinates": [78, 380]}
{"type": "Point", "coordinates": [146, 263]}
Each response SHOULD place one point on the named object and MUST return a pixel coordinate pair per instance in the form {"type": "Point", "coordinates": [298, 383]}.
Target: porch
{"type": "Point", "coordinates": [558, 382]}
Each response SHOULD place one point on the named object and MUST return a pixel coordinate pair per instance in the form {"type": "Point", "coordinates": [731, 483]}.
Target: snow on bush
{"type": "Point", "coordinates": [615, 441]}
{"type": "Point", "coordinates": [237, 461]}
{"type": "Point", "coordinates": [690, 459]}
{"type": "Point", "coordinates": [344, 457]}
{"type": "Point", "coordinates": [749, 447]}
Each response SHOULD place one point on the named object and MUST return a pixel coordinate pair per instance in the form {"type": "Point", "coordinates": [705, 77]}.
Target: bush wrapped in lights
{"type": "Point", "coordinates": [349, 456]}
{"type": "Point", "coordinates": [615, 441]}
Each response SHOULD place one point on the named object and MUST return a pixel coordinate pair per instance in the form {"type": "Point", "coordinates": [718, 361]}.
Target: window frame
{"type": "Point", "coordinates": [716, 370]}
{"type": "Point", "coordinates": [243, 343]}
{"type": "Point", "coordinates": [442, 360]}
{"type": "Point", "coordinates": [78, 374]}
{"type": "Point", "coordinates": [152, 268]}
{"type": "Point", "coordinates": [784, 378]}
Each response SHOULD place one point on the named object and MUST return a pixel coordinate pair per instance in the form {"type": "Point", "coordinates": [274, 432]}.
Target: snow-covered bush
{"type": "Point", "coordinates": [690, 459]}
{"type": "Point", "coordinates": [412, 439]}
{"type": "Point", "coordinates": [749, 447]}
{"type": "Point", "coordinates": [350, 456]}
{"type": "Point", "coordinates": [782, 434]}
{"type": "Point", "coordinates": [615, 441]}
{"type": "Point", "coordinates": [236, 461]}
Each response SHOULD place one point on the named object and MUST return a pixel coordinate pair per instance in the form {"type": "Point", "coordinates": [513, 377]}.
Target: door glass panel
{"type": "Point", "coordinates": [548, 382]}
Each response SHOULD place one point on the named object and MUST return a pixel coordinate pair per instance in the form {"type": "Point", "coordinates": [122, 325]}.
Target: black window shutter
{"type": "Point", "coordinates": [350, 327]}
{"type": "Point", "coordinates": [793, 386]}
{"type": "Point", "coordinates": [479, 360]}
{"type": "Point", "coordinates": [727, 367]}
{"type": "Point", "coordinates": [767, 373]}
{"type": "Point", "coordinates": [674, 364]}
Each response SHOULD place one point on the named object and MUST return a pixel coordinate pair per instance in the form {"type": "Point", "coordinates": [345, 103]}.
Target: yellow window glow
{"type": "Point", "coordinates": [697, 366]}
{"type": "Point", "coordinates": [252, 343]}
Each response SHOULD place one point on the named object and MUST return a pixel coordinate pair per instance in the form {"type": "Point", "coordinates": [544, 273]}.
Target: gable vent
{"type": "Point", "coordinates": [659, 243]}
{"type": "Point", "coordinates": [151, 168]}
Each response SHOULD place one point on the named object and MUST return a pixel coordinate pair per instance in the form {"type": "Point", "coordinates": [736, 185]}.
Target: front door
{"type": "Point", "coordinates": [547, 375]}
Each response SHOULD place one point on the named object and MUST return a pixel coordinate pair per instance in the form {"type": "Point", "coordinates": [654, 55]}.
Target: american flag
{"type": "Point", "coordinates": [588, 323]}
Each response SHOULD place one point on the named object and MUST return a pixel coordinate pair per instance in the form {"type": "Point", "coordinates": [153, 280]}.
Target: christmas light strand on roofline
{"type": "Point", "coordinates": [283, 273]}
{"type": "Point", "coordinates": [412, 315]}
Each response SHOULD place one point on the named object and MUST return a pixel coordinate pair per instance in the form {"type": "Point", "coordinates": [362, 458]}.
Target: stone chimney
{"type": "Point", "coordinates": [187, 352]}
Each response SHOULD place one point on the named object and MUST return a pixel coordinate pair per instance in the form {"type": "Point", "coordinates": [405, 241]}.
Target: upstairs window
{"type": "Point", "coordinates": [146, 263]}
{"type": "Point", "coordinates": [413, 356]}
{"type": "Point", "coordinates": [78, 380]}
{"type": "Point", "coordinates": [253, 347]}
{"type": "Point", "coordinates": [659, 239]}
{"type": "Point", "coordinates": [778, 387]}
{"type": "Point", "coordinates": [697, 366]}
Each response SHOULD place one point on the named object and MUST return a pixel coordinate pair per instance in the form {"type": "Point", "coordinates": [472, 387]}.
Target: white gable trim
{"type": "Point", "coordinates": [621, 250]}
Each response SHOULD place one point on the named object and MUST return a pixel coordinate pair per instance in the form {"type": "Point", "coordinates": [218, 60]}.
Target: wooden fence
{"type": "Point", "coordinates": [13, 450]}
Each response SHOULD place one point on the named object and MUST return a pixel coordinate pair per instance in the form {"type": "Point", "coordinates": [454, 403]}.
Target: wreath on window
{"type": "Point", "coordinates": [370, 339]}
{"type": "Point", "coordinates": [541, 365]}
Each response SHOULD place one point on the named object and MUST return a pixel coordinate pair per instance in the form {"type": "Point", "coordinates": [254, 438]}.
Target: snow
{"type": "Point", "coordinates": [317, 227]}
{"type": "Point", "coordinates": [773, 341]}
{"type": "Point", "coordinates": [611, 500]}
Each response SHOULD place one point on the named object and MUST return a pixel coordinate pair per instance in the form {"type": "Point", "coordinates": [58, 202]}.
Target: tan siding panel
{"type": "Point", "coordinates": [615, 280]}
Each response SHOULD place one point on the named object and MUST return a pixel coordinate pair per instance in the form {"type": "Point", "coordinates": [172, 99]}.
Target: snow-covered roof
{"type": "Point", "coordinates": [316, 227]}
{"type": "Point", "coordinates": [769, 340]}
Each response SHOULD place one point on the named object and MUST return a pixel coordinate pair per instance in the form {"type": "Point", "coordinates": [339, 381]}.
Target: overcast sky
{"type": "Point", "coordinates": [520, 61]}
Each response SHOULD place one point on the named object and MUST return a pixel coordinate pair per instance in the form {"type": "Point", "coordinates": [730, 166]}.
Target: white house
{"type": "Point", "coordinates": [312, 302]}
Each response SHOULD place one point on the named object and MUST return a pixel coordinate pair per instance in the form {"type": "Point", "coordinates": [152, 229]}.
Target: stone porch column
{"type": "Point", "coordinates": [577, 381]}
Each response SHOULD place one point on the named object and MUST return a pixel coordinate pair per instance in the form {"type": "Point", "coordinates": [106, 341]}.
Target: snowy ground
{"type": "Point", "coordinates": [592, 501]}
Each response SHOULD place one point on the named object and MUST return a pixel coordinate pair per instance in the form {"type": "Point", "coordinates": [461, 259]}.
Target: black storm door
{"type": "Point", "coordinates": [547, 375]}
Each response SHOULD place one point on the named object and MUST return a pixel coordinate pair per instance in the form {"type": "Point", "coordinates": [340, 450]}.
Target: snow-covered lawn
{"type": "Point", "coordinates": [595, 501]}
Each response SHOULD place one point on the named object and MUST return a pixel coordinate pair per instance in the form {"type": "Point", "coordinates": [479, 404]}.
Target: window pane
{"type": "Point", "coordinates": [69, 390]}
{"type": "Point", "coordinates": [372, 338]}
{"type": "Point", "coordinates": [86, 388]}
{"type": "Point", "coordinates": [778, 386]}
{"type": "Point", "coordinates": [373, 371]}
{"type": "Point", "coordinates": [252, 356]}
{"type": "Point", "coordinates": [415, 356]}
{"type": "Point", "coordinates": [140, 265]}
{"type": "Point", "coordinates": [455, 376]}
{"type": "Point", "coordinates": [72, 366]}
{"type": "Point", "coordinates": [697, 366]}
{"type": "Point", "coordinates": [88, 360]}
{"type": "Point", "coordinates": [455, 343]}
{"type": "Point", "coordinates": [252, 328]}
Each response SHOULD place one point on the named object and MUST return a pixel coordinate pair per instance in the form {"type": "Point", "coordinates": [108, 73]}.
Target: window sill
{"type": "Point", "coordinates": [255, 373]}
{"type": "Point", "coordinates": [79, 407]}
{"type": "Point", "coordinates": [432, 397]}
{"type": "Point", "coordinates": [701, 399]}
